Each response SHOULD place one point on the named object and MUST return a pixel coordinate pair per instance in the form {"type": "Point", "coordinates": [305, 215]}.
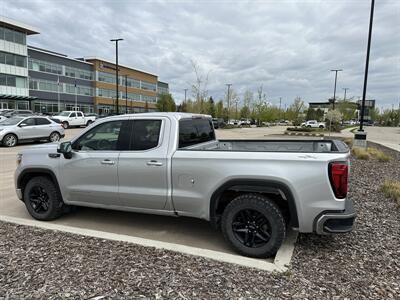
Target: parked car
{"type": "Point", "coordinates": [74, 119]}
{"type": "Point", "coordinates": [313, 124]}
{"type": "Point", "coordinates": [24, 129]}
{"type": "Point", "coordinates": [174, 165]}
{"type": "Point", "coordinates": [18, 113]}
{"type": "Point", "coordinates": [244, 122]}
{"type": "Point", "coordinates": [218, 123]}
{"type": "Point", "coordinates": [2, 118]}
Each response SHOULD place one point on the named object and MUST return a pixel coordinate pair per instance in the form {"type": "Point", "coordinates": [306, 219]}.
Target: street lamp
{"type": "Point", "coordinates": [334, 89]}
{"type": "Point", "coordinates": [185, 94]}
{"type": "Point", "coordinates": [116, 69]}
{"type": "Point", "coordinates": [229, 99]}
{"type": "Point", "coordinates": [345, 93]}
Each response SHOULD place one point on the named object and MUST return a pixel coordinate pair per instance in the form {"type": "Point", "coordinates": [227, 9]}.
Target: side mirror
{"type": "Point", "coordinates": [23, 125]}
{"type": "Point", "coordinates": [66, 149]}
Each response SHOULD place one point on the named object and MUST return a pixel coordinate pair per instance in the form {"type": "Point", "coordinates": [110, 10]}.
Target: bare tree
{"type": "Point", "coordinates": [199, 87]}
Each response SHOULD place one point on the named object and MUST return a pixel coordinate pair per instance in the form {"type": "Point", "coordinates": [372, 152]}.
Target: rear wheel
{"type": "Point", "coordinates": [253, 225]}
{"type": "Point", "coordinates": [89, 122]}
{"type": "Point", "coordinates": [42, 199]}
{"type": "Point", "coordinates": [10, 140]}
{"type": "Point", "coordinates": [321, 126]}
{"type": "Point", "coordinates": [65, 124]}
{"type": "Point", "coordinates": [54, 137]}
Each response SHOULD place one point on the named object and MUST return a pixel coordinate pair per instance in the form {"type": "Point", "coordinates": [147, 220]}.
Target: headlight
{"type": "Point", "coordinates": [19, 159]}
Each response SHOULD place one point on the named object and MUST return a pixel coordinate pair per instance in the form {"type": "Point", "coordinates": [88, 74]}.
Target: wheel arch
{"type": "Point", "coordinates": [253, 186]}
{"type": "Point", "coordinates": [30, 173]}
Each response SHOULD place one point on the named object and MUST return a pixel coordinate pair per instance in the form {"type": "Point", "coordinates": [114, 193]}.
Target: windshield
{"type": "Point", "coordinates": [64, 114]}
{"type": "Point", "coordinates": [11, 121]}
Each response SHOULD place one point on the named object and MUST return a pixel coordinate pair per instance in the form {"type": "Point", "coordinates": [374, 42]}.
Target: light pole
{"type": "Point", "coordinates": [334, 89]}
{"type": "Point", "coordinates": [116, 69]}
{"type": "Point", "coordinates": [185, 94]}
{"type": "Point", "coordinates": [229, 99]}
{"type": "Point", "coordinates": [345, 93]}
{"type": "Point", "coordinates": [126, 93]}
{"type": "Point", "coordinates": [371, 20]}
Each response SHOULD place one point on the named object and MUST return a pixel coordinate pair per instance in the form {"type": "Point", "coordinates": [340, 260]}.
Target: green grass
{"type": "Point", "coordinates": [391, 189]}
{"type": "Point", "coordinates": [370, 153]}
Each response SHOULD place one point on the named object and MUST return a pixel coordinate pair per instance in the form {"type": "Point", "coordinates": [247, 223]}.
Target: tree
{"type": "Point", "coordinates": [294, 112]}
{"type": "Point", "coordinates": [166, 103]}
{"type": "Point", "coordinates": [211, 107]}
{"type": "Point", "coordinates": [199, 87]}
{"type": "Point", "coordinates": [219, 109]}
{"type": "Point", "coordinates": [347, 109]}
{"type": "Point", "coordinates": [245, 112]}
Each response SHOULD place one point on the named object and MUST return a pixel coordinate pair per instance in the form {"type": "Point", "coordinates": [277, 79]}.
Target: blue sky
{"type": "Point", "coordinates": [287, 46]}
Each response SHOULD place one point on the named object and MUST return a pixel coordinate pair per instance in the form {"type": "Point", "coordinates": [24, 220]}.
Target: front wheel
{"type": "Point", "coordinates": [42, 199]}
{"type": "Point", "coordinates": [253, 225]}
{"type": "Point", "coordinates": [10, 140]}
{"type": "Point", "coordinates": [65, 124]}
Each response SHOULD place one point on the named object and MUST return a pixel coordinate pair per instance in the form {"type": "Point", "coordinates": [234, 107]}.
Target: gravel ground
{"type": "Point", "coordinates": [364, 264]}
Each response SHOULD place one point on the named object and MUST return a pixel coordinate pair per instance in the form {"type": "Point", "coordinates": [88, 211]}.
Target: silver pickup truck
{"type": "Point", "coordinates": [172, 164]}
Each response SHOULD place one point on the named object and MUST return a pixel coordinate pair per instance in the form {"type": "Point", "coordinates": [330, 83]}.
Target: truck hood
{"type": "Point", "coordinates": [45, 148]}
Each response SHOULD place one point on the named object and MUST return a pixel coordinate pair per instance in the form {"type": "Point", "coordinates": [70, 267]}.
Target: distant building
{"type": "Point", "coordinates": [326, 106]}
{"type": "Point", "coordinates": [58, 82]}
{"type": "Point", "coordinates": [14, 93]}
{"type": "Point", "coordinates": [369, 106]}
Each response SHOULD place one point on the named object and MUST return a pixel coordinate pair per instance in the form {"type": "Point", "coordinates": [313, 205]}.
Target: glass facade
{"type": "Point", "coordinates": [78, 73]}
{"type": "Point", "coordinates": [14, 81]}
{"type": "Point", "coordinates": [53, 86]}
{"type": "Point", "coordinates": [12, 59]}
{"type": "Point", "coordinates": [149, 86]}
{"type": "Point", "coordinates": [43, 66]}
{"type": "Point", "coordinates": [12, 36]}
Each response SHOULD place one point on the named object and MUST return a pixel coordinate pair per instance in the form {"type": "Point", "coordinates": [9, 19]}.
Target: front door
{"type": "Point", "coordinates": [27, 129]}
{"type": "Point", "coordinates": [142, 171]}
{"type": "Point", "coordinates": [90, 177]}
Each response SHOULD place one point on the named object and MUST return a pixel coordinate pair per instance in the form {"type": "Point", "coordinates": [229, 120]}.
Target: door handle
{"type": "Point", "coordinates": [154, 163]}
{"type": "Point", "coordinates": [108, 162]}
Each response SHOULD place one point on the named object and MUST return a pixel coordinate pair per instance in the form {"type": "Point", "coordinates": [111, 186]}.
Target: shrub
{"type": "Point", "coordinates": [391, 189]}
{"type": "Point", "coordinates": [303, 129]}
{"type": "Point", "coordinates": [348, 142]}
{"type": "Point", "coordinates": [365, 154]}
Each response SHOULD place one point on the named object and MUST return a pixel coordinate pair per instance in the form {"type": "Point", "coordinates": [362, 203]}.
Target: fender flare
{"type": "Point", "coordinates": [255, 186]}
{"type": "Point", "coordinates": [38, 171]}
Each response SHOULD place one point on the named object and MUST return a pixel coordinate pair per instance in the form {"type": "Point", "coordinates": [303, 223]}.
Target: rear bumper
{"type": "Point", "coordinates": [329, 222]}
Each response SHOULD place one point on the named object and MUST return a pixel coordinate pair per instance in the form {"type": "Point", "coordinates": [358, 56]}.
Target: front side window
{"type": "Point", "coordinates": [108, 136]}
{"type": "Point", "coordinates": [29, 122]}
{"type": "Point", "coordinates": [146, 134]}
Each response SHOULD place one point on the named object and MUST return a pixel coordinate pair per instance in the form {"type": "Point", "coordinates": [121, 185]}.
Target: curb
{"type": "Point", "coordinates": [280, 264]}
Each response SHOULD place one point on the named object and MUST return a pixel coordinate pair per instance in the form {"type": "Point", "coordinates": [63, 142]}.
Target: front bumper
{"type": "Point", "coordinates": [329, 222]}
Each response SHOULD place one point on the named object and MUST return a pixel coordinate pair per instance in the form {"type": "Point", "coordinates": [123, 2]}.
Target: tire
{"type": "Point", "coordinates": [54, 137]}
{"type": "Point", "coordinates": [10, 140]}
{"type": "Point", "coordinates": [308, 126]}
{"type": "Point", "coordinates": [253, 225]}
{"type": "Point", "coordinates": [42, 199]}
{"type": "Point", "coordinates": [65, 124]}
{"type": "Point", "coordinates": [89, 122]}
{"type": "Point", "coordinates": [321, 126]}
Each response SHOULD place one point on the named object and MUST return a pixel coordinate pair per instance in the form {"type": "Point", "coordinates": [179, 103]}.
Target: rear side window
{"type": "Point", "coordinates": [80, 114]}
{"type": "Point", "coordinates": [146, 134]}
{"type": "Point", "coordinates": [195, 131]}
{"type": "Point", "coordinates": [73, 115]}
{"type": "Point", "coordinates": [42, 121]}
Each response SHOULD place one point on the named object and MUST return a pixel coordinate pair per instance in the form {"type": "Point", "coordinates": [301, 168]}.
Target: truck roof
{"type": "Point", "coordinates": [176, 115]}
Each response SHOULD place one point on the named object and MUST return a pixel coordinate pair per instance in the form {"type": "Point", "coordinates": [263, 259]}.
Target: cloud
{"type": "Point", "coordinates": [287, 46]}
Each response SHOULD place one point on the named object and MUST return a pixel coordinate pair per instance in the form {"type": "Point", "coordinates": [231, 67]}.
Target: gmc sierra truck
{"type": "Point", "coordinates": [172, 164]}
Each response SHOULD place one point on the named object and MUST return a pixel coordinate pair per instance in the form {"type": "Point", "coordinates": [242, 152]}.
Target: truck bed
{"type": "Point", "coordinates": [304, 146]}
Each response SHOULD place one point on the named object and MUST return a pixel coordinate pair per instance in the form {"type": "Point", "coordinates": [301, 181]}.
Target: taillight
{"type": "Point", "coordinates": [338, 172]}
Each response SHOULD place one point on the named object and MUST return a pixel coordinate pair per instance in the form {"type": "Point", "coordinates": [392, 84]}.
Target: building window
{"type": "Point", "coordinates": [78, 73]}
{"type": "Point", "coordinates": [12, 36]}
{"type": "Point", "coordinates": [12, 59]}
{"type": "Point", "coordinates": [44, 85]}
{"type": "Point", "coordinates": [149, 86]}
{"type": "Point", "coordinates": [42, 66]}
{"type": "Point", "coordinates": [11, 80]}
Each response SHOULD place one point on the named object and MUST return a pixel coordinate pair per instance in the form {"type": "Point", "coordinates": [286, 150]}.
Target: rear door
{"type": "Point", "coordinates": [142, 171]}
{"type": "Point", "coordinates": [80, 118]}
{"type": "Point", "coordinates": [73, 119]}
{"type": "Point", "coordinates": [43, 127]}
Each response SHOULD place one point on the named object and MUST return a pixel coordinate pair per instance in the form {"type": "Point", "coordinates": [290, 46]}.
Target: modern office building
{"type": "Point", "coordinates": [58, 82]}
{"type": "Point", "coordinates": [47, 81]}
{"type": "Point", "coordinates": [14, 93]}
{"type": "Point", "coordinates": [137, 89]}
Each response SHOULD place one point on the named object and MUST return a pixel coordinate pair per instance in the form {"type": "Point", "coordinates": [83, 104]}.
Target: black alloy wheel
{"type": "Point", "coordinates": [251, 228]}
{"type": "Point", "coordinates": [39, 199]}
